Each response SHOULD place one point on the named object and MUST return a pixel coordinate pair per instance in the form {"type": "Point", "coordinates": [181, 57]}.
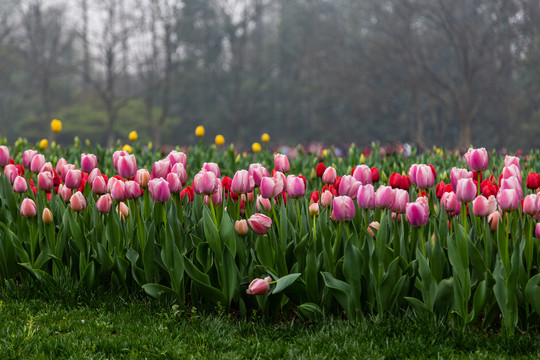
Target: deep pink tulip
{"type": "Point", "coordinates": [212, 167]}
{"type": "Point", "coordinates": [257, 171]}
{"type": "Point", "coordinates": [64, 192]}
{"type": "Point", "coordinates": [20, 185]}
{"type": "Point", "coordinates": [343, 208]}
{"type": "Point", "coordinates": [161, 168]}
{"type": "Point", "coordinates": [271, 187]}
{"type": "Point", "coordinates": [11, 172]}
{"type": "Point", "coordinates": [4, 155]}
{"type": "Point", "coordinates": [481, 206]}
{"type": "Point", "coordinates": [45, 181]}
{"type": "Point", "coordinates": [99, 186]}
{"type": "Point", "coordinates": [512, 170]}
{"type": "Point", "coordinates": [512, 183]}
{"type": "Point", "coordinates": [27, 157]}
{"type": "Point", "coordinates": [60, 165]}
{"type": "Point", "coordinates": [281, 163]}
{"type": "Point", "coordinates": [177, 157]}
{"type": "Point", "coordinates": [466, 190]}
{"type": "Point", "coordinates": [258, 287]}
{"type": "Point", "coordinates": [511, 160]}
{"type": "Point", "coordinates": [363, 174]}
{"type": "Point", "coordinates": [175, 185]}
{"type": "Point", "coordinates": [142, 177]}
{"type": "Point", "coordinates": [205, 182]}
{"type": "Point", "coordinates": [401, 198]}
{"type": "Point", "coordinates": [127, 166]}
{"type": "Point", "coordinates": [180, 169]}
{"type": "Point", "coordinates": [104, 203]}
{"type": "Point", "coordinates": [295, 187]}
{"type": "Point", "coordinates": [531, 204]}
{"type": "Point", "coordinates": [450, 203]}
{"type": "Point", "coordinates": [65, 169]}
{"type": "Point", "coordinates": [47, 167]}
{"type": "Point", "coordinates": [365, 197]}
{"type": "Point", "coordinates": [260, 223]}
{"type": "Point", "coordinates": [117, 155]}
{"type": "Point", "coordinates": [93, 174]}
{"type": "Point", "coordinates": [326, 198]}
{"type": "Point", "coordinates": [508, 199]}
{"type": "Point", "coordinates": [118, 191]}
{"type": "Point", "coordinates": [37, 163]}
{"type": "Point", "coordinates": [88, 162]}
{"type": "Point", "coordinates": [263, 203]}
{"type": "Point", "coordinates": [159, 190]}
{"type": "Point", "coordinates": [217, 197]}
{"type": "Point", "coordinates": [77, 201]}
{"type": "Point", "coordinates": [242, 183]}
{"type": "Point", "coordinates": [110, 183]}
{"type": "Point", "coordinates": [477, 159]}
{"type": "Point", "coordinates": [330, 175]}
{"type": "Point", "coordinates": [133, 190]}
{"type": "Point", "coordinates": [417, 213]}
{"type": "Point", "coordinates": [422, 176]}
{"type": "Point", "coordinates": [28, 208]}
{"type": "Point", "coordinates": [384, 197]}
{"type": "Point", "coordinates": [73, 179]}
{"type": "Point", "coordinates": [456, 174]}
{"type": "Point", "coordinates": [348, 186]}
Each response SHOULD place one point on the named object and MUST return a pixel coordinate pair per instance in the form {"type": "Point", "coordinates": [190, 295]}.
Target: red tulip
{"type": "Point", "coordinates": [189, 192]}
{"type": "Point", "coordinates": [319, 169]}
{"type": "Point", "coordinates": [533, 181]}
{"type": "Point", "coordinates": [374, 175]}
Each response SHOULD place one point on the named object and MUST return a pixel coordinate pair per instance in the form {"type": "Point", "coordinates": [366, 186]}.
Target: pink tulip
{"type": "Point", "coordinates": [450, 203]}
{"type": "Point", "coordinates": [65, 169]}
{"type": "Point", "coordinates": [271, 187]}
{"type": "Point", "coordinates": [177, 157]}
{"type": "Point", "coordinates": [477, 159]}
{"type": "Point", "coordinates": [343, 208]}
{"type": "Point", "coordinates": [241, 227]}
{"type": "Point", "coordinates": [99, 186]}
{"type": "Point", "coordinates": [257, 171]}
{"type": "Point", "coordinates": [212, 167]}
{"type": "Point", "coordinates": [260, 223]}
{"type": "Point", "coordinates": [314, 209]}
{"type": "Point", "coordinates": [78, 201]}
{"type": "Point", "coordinates": [242, 183]}
{"type": "Point", "coordinates": [127, 166]}
{"type": "Point", "coordinates": [512, 183]}
{"type": "Point", "coordinates": [45, 181]}
{"type": "Point", "coordinates": [175, 185]}
{"type": "Point", "coordinates": [118, 191]}
{"type": "Point", "coordinates": [482, 206]}
{"type": "Point", "coordinates": [263, 203]}
{"type": "Point", "coordinates": [27, 157]}
{"type": "Point", "coordinates": [88, 162]}
{"type": "Point", "coordinates": [365, 197]}
{"type": "Point", "coordinates": [4, 155]}
{"type": "Point", "coordinates": [348, 186]}
{"type": "Point", "coordinates": [64, 192]}
{"type": "Point", "coordinates": [537, 231]}
{"type": "Point", "coordinates": [110, 183]}
{"type": "Point", "coordinates": [362, 173]}
{"type": "Point", "coordinates": [384, 197]}
{"type": "Point", "coordinates": [456, 174]}
{"type": "Point", "coordinates": [159, 190]}
{"type": "Point", "coordinates": [295, 187]}
{"type": "Point", "coordinates": [466, 190]}
{"type": "Point", "coordinates": [104, 203]}
{"type": "Point", "coordinates": [133, 190]}
{"type": "Point", "coordinates": [161, 168]}
{"type": "Point", "coordinates": [47, 167]}
{"type": "Point", "coordinates": [11, 172]}
{"type": "Point", "coordinates": [494, 219]}
{"type": "Point", "coordinates": [60, 165]}
{"type": "Point", "coordinates": [73, 179]}
{"type": "Point", "coordinates": [422, 176]}
{"type": "Point", "coordinates": [326, 198]}
{"type": "Point", "coordinates": [205, 182]}
{"type": "Point", "coordinates": [511, 160]}
{"type": "Point", "coordinates": [117, 155]}
{"type": "Point", "coordinates": [122, 210]}
{"type": "Point", "coordinates": [28, 208]}
{"type": "Point", "coordinates": [180, 169]}
{"type": "Point", "coordinates": [531, 204]}
{"type": "Point", "coordinates": [37, 163]}
{"type": "Point", "coordinates": [508, 199]}
{"type": "Point", "coordinates": [93, 175]}
{"type": "Point", "coordinates": [330, 175]}
{"type": "Point", "coordinates": [142, 177]}
{"type": "Point", "coordinates": [401, 198]}
{"type": "Point", "coordinates": [258, 287]}
{"type": "Point", "coordinates": [374, 225]}
{"type": "Point", "coordinates": [281, 163]}
{"type": "Point", "coordinates": [417, 213]}
{"type": "Point", "coordinates": [20, 185]}
{"type": "Point", "coordinates": [217, 197]}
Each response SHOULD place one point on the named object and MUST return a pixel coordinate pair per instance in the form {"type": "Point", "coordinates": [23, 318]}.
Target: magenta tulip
{"type": "Point", "coordinates": [271, 187]}
{"type": "Point", "coordinates": [117, 155]}
{"type": "Point", "coordinates": [159, 190]}
{"type": "Point", "coordinates": [177, 157]}
{"type": "Point", "coordinates": [242, 183]}
{"type": "Point", "coordinates": [260, 223]}
{"type": "Point", "coordinates": [450, 203]}
{"type": "Point", "coordinates": [93, 175]}
{"type": "Point", "coordinates": [133, 190]}
{"type": "Point", "coordinates": [127, 166]}
{"type": "Point", "coordinates": [531, 204]}
{"type": "Point", "coordinates": [281, 163]}
{"type": "Point", "coordinates": [365, 197]}
{"type": "Point", "coordinates": [4, 155]}
{"type": "Point", "coordinates": [295, 187]}
{"type": "Point", "coordinates": [99, 186]}
{"type": "Point", "coordinates": [477, 159]}
{"type": "Point", "coordinates": [11, 172]}
{"type": "Point", "coordinates": [466, 190]}
{"type": "Point", "coordinates": [175, 185]}
{"type": "Point", "coordinates": [456, 174]}
{"type": "Point", "coordinates": [27, 157]}
{"type": "Point", "coordinates": [37, 163]}
{"type": "Point", "coordinates": [205, 182]}
{"type": "Point", "coordinates": [161, 168]}
{"type": "Point", "coordinates": [78, 201]}
{"type": "Point", "coordinates": [118, 191]}
{"type": "Point", "coordinates": [45, 181]}
{"type": "Point", "coordinates": [104, 203]}
{"type": "Point", "coordinates": [363, 174]}
{"type": "Point", "coordinates": [257, 171]}
{"type": "Point", "coordinates": [401, 198]}
{"type": "Point", "coordinates": [537, 231]}
{"type": "Point", "coordinates": [28, 208]}
{"type": "Point", "coordinates": [73, 179]}
{"type": "Point", "coordinates": [384, 197]}
{"type": "Point", "coordinates": [417, 213]}
{"type": "Point", "coordinates": [180, 169]}
{"type": "Point", "coordinates": [348, 186]}
{"type": "Point", "coordinates": [508, 199]}
{"type": "Point", "coordinates": [212, 167]}
{"type": "Point", "coordinates": [20, 185]}
{"type": "Point", "coordinates": [343, 208]}
{"type": "Point", "coordinates": [60, 165]}
{"type": "Point", "coordinates": [422, 176]}
{"type": "Point", "coordinates": [258, 287]}
{"type": "Point", "coordinates": [65, 169]}
{"type": "Point", "coordinates": [88, 162]}
{"type": "Point", "coordinates": [330, 175]}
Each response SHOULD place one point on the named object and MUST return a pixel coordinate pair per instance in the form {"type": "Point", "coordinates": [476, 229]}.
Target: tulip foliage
{"type": "Point", "coordinates": [316, 234]}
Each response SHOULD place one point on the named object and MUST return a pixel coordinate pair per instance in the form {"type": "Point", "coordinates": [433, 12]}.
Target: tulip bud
{"type": "Point", "coordinates": [343, 208]}
{"type": "Point", "coordinates": [99, 186]}
{"type": "Point", "coordinates": [241, 227]}
{"type": "Point", "coordinates": [296, 187]}
{"type": "Point", "coordinates": [242, 183]}
{"type": "Point", "coordinates": [78, 201]}
{"type": "Point", "coordinates": [314, 209]}
{"type": "Point", "coordinates": [45, 181]}
{"type": "Point", "coordinates": [142, 177]}
{"type": "Point", "coordinates": [212, 167]}
{"type": "Point", "coordinates": [47, 216]}
{"type": "Point", "coordinates": [373, 225]}
{"type": "Point", "coordinates": [466, 190]}
{"type": "Point", "coordinates": [64, 192]}
{"type": "Point", "coordinates": [258, 287]}
{"type": "Point", "coordinates": [88, 162]}
{"type": "Point", "coordinates": [11, 172]}
{"type": "Point", "coordinates": [176, 157]}
{"type": "Point", "coordinates": [533, 181]}
{"type": "Point", "coordinates": [175, 185]}
{"type": "Point", "coordinates": [260, 223]}
{"type": "Point", "coordinates": [329, 176]}
{"type": "Point", "coordinates": [20, 185]}
{"type": "Point", "coordinates": [281, 163]}
{"type": "Point", "coordinates": [4, 155]}
{"type": "Point", "coordinates": [122, 210]}
{"type": "Point", "coordinates": [363, 174]}
{"type": "Point", "coordinates": [417, 213]}
{"type": "Point", "coordinates": [28, 155]}
{"type": "Point", "coordinates": [28, 208]}
{"type": "Point", "coordinates": [494, 219]}
{"type": "Point", "coordinates": [161, 168]}
{"type": "Point", "coordinates": [477, 159]}
{"type": "Point", "coordinates": [127, 166]}
{"type": "Point", "coordinates": [37, 163]}
{"type": "Point", "coordinates": [133, 190]}
{"type": "Point", "coordinates": [73, 179]}
{"type": "Point", "coordinates": [263, 203]}
{"type": "Point", "coordinates": [205, 182]}
{"type": "Point", "coordinates": [159, 190]}
{"type": "Point", "coordinates": [118, 191]}
{"type": "Point", "coordinates": [326, 198]}
{"type": "Point", "coordinates": [104, 203]}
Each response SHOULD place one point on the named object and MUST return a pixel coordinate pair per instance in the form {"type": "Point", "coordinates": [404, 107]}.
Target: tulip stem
{"type": "Point", "coordinates": [213, 211]}
{"type": "Point", "coordinates": [464, 216]}
{"type": "Point", "coordinates": [273, 205]}
{"type": "Point", "coordinates": [299, 217]}
{"type": "Point", "coordinates": [314, 229]}
{"type": "Point", "coordinates": [421, 233]}
{"type": "Point", "coordinates": [478, 182]}
{"type": "Point", "coordinates": [529, 248]}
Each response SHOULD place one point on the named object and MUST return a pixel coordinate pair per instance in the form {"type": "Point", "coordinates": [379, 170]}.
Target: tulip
{"type": "Point", "coordinates": [177, 157]}
{"type": "Point", "coordinates": [142, 177]}
{"type": "Point", "coordinates": [45, 181]}
{"type": "Point", "coordinates": [241, 227]}
{"type": "Point", "coordinates": [118, 191]}
{"type": "Point", "coordinates": [374, 225]}
{"type": "Point", "coordinates": [417, 213]}
{"type": "Point", "coordinates": [159, 190]}
{"type": "Point", "coordinates": [117, 155]}
{"type": "Point", "coordinates": [258, 287]}
{"type": "Point", "coordinates": [263, 203]}
{"type": "Point", "coordinates": [47, 216]}
{"type": "Point", "coordinates": [180, 170]}
{"type": "Point", "coordinates": [133, 190]}
{"type": "Point", "coordinates": [494, 219]}
{"type": "Point", "coordinates": [99, 186]}
{"type": "Point", "coordinates": [257, 171]}
{"type": "Point", "coordinates": [450, 203]}
{"type": "Point", "coordinates": [512, 170]}
{"type": "Point", "coordinates": [422, 176]}
{"type": "Point", "coordinates": [65, 169]}
{"type": "Point", "coordinates": [326, 198]}
{"type": "Point", "coordinates": [281, 163]}
{"type": "Point", "coordinates": [329, 176]}
{"type": "Point", "coordinates": [37, 163]}
{"type": "Point", "coordinates": [384, 197]}
{"type": "Point", "coordinates": [466, 190]}
{"type": "Point", "coordinates": [533, 181]}
{"type": "Point", "coordinates": [483, 206]}
{"type": "Point", "coordinates": [456, 174]}
{"type": "Point", "coordinates": [28, 208]}
{"type": "Point", "coordinates": [122, 210]}
{"type": "Point", "coordinates": [205, 182]}
{"type": "Point", "coordinates": [314, 209]}
{"type": "Point", "coordinates": [104, 203]}
{"type": "Point", "coordinates": [73, 179]}
{"type": "Point", "coordinates": [511, 160]}
{"type": "Point", "coordinates": [77, 201]}
{"type": "Point", "coordinates": [363, 174]}
{"type": "Point", "coordinates": [271, 187]}
{"type": "Point", "coordinates": [20, 185]}
{"type": "Point", "coordinates": [477, 159]}
{"type": "Point", "coordinates": [348, 186]}
{"type": "Point", "coordinates": [11, 172]}
{"type": "Point", "coordinates": [260, 223]}
{"type": "Point", "coordinates": [320, 169]}
{"type": "Point", "coordinates": [295, 187]}
{"type": "Point", "coordinates": [365, 197]}
{"type": "Point", "coordinates": [161, 168]}
{"type": "Point", "coordinates": [127, 166]}
{"type": "Point", "coordinates": [64, 192]}
{"type": "Point", "coordinates": [189, 192]}
{"type": "Point", "coordinates": [27, 157]}
{"type": "Point", "coordinates": [314, 197]}
{"type": "Point", "coordinates": [343, 208]}
{"type": "Point", "coordinates": [374, 175]}
{"type": "Point", "coordinates": [537, 231]}
{"type": "Point", "coordinates": [242, 183]}
{"type": "Point", "coordinates": [531, 204]}
{"type": "Point", "coordinates": [175, 185]}
{"type": "Point", "coordinates": [93, 174]}
{"type": "Point", "coordinates": [60, 165]}
{"type": "Point", "coordinates": [4, 155]}
{"type": "Point", "coordinates": [217, 197]}
{"type": "Point", "coordinates": [212, 167]}
{"type": "Point", "coordinates": [401, 198]}
{"type": "Point", "coordinates": [395, 181]}
{"type": "Point", "coordinates": [508, 199]}
{"type": "Point", "coordinates": [89, 162]}
{"type": "Point", "coordinates": [47, 167]}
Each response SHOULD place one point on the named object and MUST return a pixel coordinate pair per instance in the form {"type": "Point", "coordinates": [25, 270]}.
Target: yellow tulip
{"type": "Point", "coordinates": [256, 147]}
{"type": "Point", "coordinates": [265, 138]}
{"type": "Point", "coordinates": [220, 140]}
{"type": "Point", "coordinates": [43, 144]}
{"type": "Point", "coordinates": [56, 125]}
{"type": "Point", "coordinates": [133, 136]}
{"type": "Point", "coordinates": [127, 148]}
{"type": "Point", "coordinates": [199, 131]}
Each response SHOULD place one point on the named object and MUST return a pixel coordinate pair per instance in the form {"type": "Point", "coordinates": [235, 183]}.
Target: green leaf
{"type": "Point", "coordinates": [211, 233]}
{"type": "Point", "coordinates": [156, 290]}
{"type": "Point", "coordinates": [284, 282]}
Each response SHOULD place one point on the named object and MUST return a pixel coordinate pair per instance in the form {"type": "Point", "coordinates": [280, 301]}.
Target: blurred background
{"type": "Point", "coordinates": [448, 72]}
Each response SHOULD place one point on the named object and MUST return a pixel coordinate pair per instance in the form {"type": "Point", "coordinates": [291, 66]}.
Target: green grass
{"type": "Point", "coordinates": [114, 326]}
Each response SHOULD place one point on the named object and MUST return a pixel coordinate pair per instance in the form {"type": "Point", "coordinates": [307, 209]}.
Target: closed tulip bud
{"type": "Point", "coordinates": [64, 192]}
{"type": "Point", "coordinates": [11, 172]}
{"type": "Point", "coordinates": [374, 225]}
{"type": "Point", "coordinates": [314, 209]}
{"type": "Point", "coordinates": [281, 163]}
{"type": "Point", "coordinates": [326, 198]}
{"type": "Point", "coordinates": [508, 199]}
{"type": "Point", "coordinates": [477, 159]}
{"type": "Point", "coordinates": [365, 197]}
{"type": "Point", "coordinates": [257, 171]}
{"type": "Point", "coordinates": [45, 181]}
{"type": "Point", "coordinates": [329, 176]}
{"type": "Point", "coordinates": [384, 197]}
{"type": "Point", "coordinates": [104, 203]}
{"type": "Point", "coordinates": [450, 203]}
{"type": "Point", "coordinates": [494, 218]}
{"type": "Point", "coordinates": [60, 165]}
{"type": "Point", "coordinates": [77, 201]}
{"type": "Point", "coordinates": [212, 167]}
{"type": "Point", "coordinates": [401, 198]}
{"type": "Point", "coordinates": [117, 155]}
{"type": "Point", "coordinates": [242, 183]}
{"type": "Point", "coordinates": [88, 162]}
{"type": "Point", "coordinates": [320, 169]}
{"type": "Point", "coordinates": [533, 181]}
{"type": "Point", "coordinates": [217, 197]}
{"type": "Point", "coordinates": [189, 192]}
{"type": "Point", "coordinates": [314, 197]}
{"type": "Point", "coordinates": [271, 187]}
{"type": "Point", "coordinates": [133, 190]}
{"type": "Point", "coordinates": [20, 185]}
{"type": "Point", "coordinates": [260, 223]}
{"type": "Point", "coordinates": [159, 190]}
{"type": "Point", "coordinates": [343, 208]}
{"type": "Point", "coordinates": [177, 157]}
{"type": "Point", "coordinates": [395, 181]}
{"type": "Point", "coordinates": [161, 168]}
{"type": "Point", "coordinates": [28, 208]}
{"type": "Point", "coordinates": [422, 176]}
{"type": "Point", "coordinates": [4, 155]}
{"type": "Point", "coordinates": [122, 210]}
{"type": "Point", "coordinates": [118, 191]}
{"type": "Point", "coordinates": [93, 174]}
{"type": "Point", "coordinates": [363, 174]}
{"type": "Point", "coordinates": [47, 216]}
{"type": "Point", "coordinates": [466, 190]}
{"type": "Point", "coordinates": [73, 179]}
{"type": "Point", "coordinates": [263, 203]}
{"type": "Point", "coordinates": [142, 177]}
{"type": "Point", "coordinates": [296, 187]}
{"type": "Point", "coordinates": [456, 174]}
{"type": "Point", "coordinates": [127, 166]}
{"type": "Point", "coordinates": [175, 185]}
{"type": "Point", "coordinates": [348, 186]}
{"type": "Point", "coordinates": [241, 227]}
{"type": "Point", "coordinates": [531, 204]}
{"type": "Point", "coordinates": [374, 175]}
{"type": "Point", "coordinates": [27, 157]}
{"type": "Point", "coordinates": [205, 182]}
{"type": "Point", "coordinates": [258, 287]}
{"type": "Point", "coordinates": [417, 213]}
{"type": "Point", "coordinates": [99, 186]}
{"type": "Point", "coordinates": [65, 169]}
{"type": "Point", "coordinates": [37, 163]}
